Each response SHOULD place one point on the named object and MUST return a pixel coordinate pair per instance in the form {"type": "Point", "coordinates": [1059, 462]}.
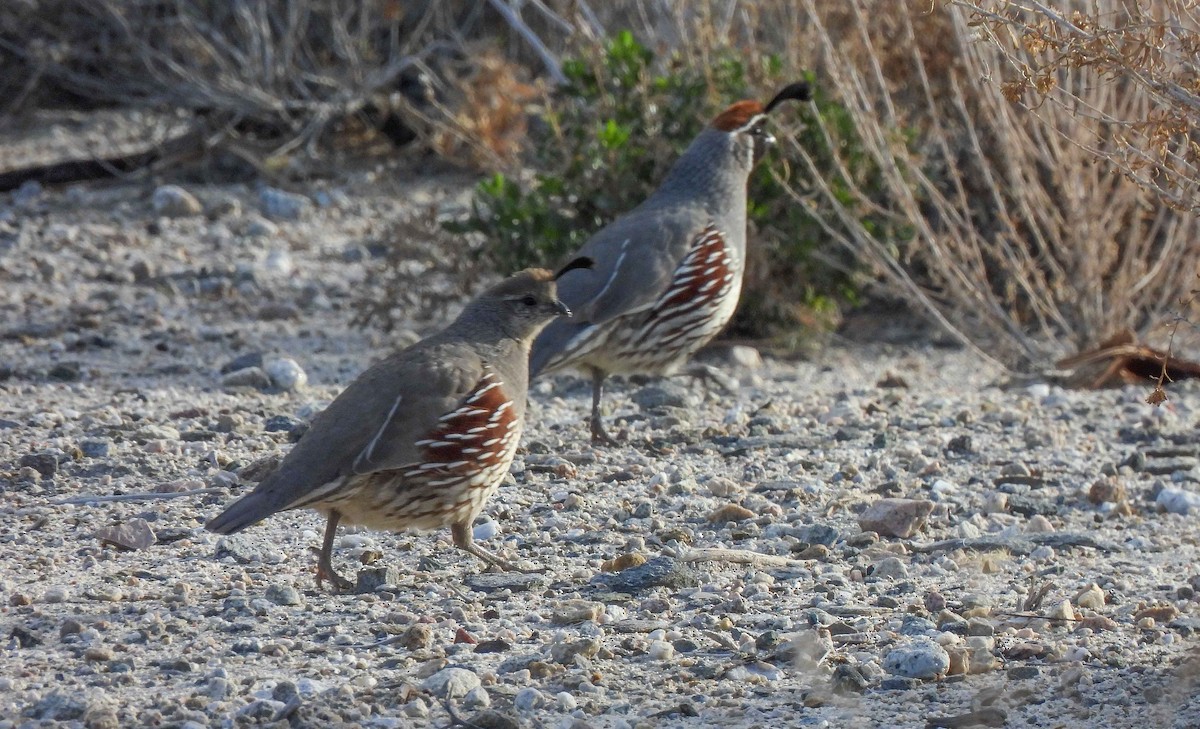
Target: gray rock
{"type": "Point", "coordinates": [565, 652]}
{"type": "Point", "coordinates": [817, 534]}
{"type": "Point", "coordinates": [451, 683]}
{"type": "Point", "coordinates": [496, 581]}
{"type": "Point", "coordinates": [27, 194]}
{"type": "Point", "coordinates": [175, 202]}
{"type": "Point", "coordinates": [241, 362]}
{"type": "Point", "coordinates": [252, 377]}
{"type": "Point", "coordinates": [528, 699]}
{"type": "Point", "coordinates": [132, 534]}
{"type": "Point", "coordinates": [371, 579]}
{"type": "Point", "coordinates": [279, 205]}
{"type": "Point", "coordinates": [1023, 673]}
{"type": "Point", "coordinates": [256, 226]}
{"type": "Point", "coordinates": [60, 705]}
{"type": "Point", "coordinates": [918, 659]}
{"type": "Point", "coordinates": [45, 463]}
{"type": "Point", "coordinates": [284, 595]}
{"type": "Point", "coordinates": [95, 448]}
{"type": "Point", "coordinates": [658, 572]}
{"type": "Point", "coordinates": [240, 549]}
{"type": "Point", "coordinates": [895, 517]}
{"type": "Point", "coordinates": [890, 568]}
{"type": "Point", "coordinates": [664, 394]}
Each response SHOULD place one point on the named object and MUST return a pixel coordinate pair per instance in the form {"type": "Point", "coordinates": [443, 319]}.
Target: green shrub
{"type": "Point", "coordinates": [609, 136]}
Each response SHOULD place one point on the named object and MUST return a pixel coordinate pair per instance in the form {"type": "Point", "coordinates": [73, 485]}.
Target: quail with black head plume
{"type": "Point", "coordinates": [668, 274]}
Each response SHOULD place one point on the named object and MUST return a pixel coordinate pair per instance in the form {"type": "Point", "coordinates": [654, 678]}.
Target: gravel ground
{"type": "Point", "coordinates": [883, 536]}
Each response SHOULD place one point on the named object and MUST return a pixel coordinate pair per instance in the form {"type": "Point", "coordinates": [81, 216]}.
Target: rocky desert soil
{"type": "Point", "coordinates": [885, 535]}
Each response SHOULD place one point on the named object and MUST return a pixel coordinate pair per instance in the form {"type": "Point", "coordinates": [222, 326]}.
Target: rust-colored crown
{"type": "Point", "coordinates": [740, 113]}
{"type": "Point", "coordinates": [737, 115]}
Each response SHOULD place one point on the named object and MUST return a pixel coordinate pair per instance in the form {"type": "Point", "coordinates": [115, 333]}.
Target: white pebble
{"type": "Point", "coordinates": [661, 650]}
{"type": "Point", "coordinates": [285, 373]}
{"type": "Point", "coordinates": [485, 531]}
{"type": "Point", "coordinates": [1178, 501]}
{"type": "Point", "coordinates": [565, 701]}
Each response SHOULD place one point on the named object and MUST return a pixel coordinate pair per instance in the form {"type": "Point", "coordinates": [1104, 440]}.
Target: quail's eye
{"type": "Point", "coordinates": [529, 301]}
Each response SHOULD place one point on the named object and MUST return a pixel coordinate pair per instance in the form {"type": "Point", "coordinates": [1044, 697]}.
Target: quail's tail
{"type": "Point", "coordinates": [246, 511]}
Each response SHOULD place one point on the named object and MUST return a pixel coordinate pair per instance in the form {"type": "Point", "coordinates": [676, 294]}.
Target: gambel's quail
{"type": "Point", "coordinates": [668, 274]}
{"type": "Point", "coordinates": [422, 438]}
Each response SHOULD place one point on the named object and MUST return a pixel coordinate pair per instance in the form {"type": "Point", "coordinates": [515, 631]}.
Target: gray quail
{"type": "Point", "coordinates": [422, 438]}
{"type": "Point", "coordinates": [668, 274]}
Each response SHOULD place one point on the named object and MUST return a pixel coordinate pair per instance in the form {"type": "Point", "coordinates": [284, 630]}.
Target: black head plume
{"type": "Point", "coordinates": [799, 91]}
{"type": "Point", "coordinates": [581, 262]}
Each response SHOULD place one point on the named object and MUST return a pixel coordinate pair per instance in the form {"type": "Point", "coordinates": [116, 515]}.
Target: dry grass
{"type": "Point", "coordinates": [1017, 160]}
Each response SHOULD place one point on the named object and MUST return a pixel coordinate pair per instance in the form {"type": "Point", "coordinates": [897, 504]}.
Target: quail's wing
{"type": "Point", "coordinates": [375, 423]}
{"type": "Point", "coordinates": [635, 261]}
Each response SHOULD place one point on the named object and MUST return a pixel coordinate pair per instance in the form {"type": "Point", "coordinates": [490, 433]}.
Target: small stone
{"type": "Point", "coordinates": [241, 362]}
{"type": "Point", "coordinates": [20, 599]}
{"type": "Point", "coordinates": [1107, 490]}
{"type": "Point", "coordinates": [980, 626]}
{"type": "Point", "coordinates": [1062, 611]}
{"type": "Point", "coordinates": [495, 581]}
{"type": "Point", "coordinates": [895, 517]}
{"type": "Point", "coordinates": [280, 205]}
{"type": "Point", "coordinates": [565, 653]}
{"type": "Point", "coordinates": [728, 513]}
{"type": "Point", "coordinates": [1038, 524]}
{"type": "Point", "coordinates": [278, 311]}
{"type": "Point", "coordinates": [44, 463]}
{"type": "Point", "coordinates": [98, 653]}
{"type": "Point", "coordinates": [528, 699]}
{"type": "Point", "coordinates": [173, 201]}
{"type": "Point", "coordinates": [1023, 673]}
{"type": "Point", "coordinates": [477, 698]}
{"type": "Point", "coordinates": [491, 719]}
{"type": "Point", "coordinates": [248, 377]}
{"type": "Point", "coordinates": [934, 601]}
{"type": "Point", "coordinates": [1090, 597]}
{"type": "Point", "coordinates": [56, 594]}
{"type": "Point", "coordinates": [256, 226]}
{"type": "Point", "coordinates": [104, 593]}
{"type": "Point", "coordinates": [1178, 501]}
{"type": "Point", "coordinates": [1159, 613]}
{"type": "Point", "coordinates": [658, 572]}
{"type": "Point", "coordinates": [371, 579]}
{"type": "Point", "coordinates": [918, 659]}
{"type": "Point", "coordinates": [623, 562]}
{"type": "Point", "coordinates": [577, 611]}
{"type": "Point", "coordinates": [660, 650]}
{"type": "Point", "coordinates": [890, 568]}
{"type": "Point", "coordinates": [284, 595]}
{"type": "Point", "coordinates": [417, 636]}
{"type": "Point", "coordinates": [285, 374]}
{"type": "Point", "coordinates": [665, 394]}
{"type": "Point", "coordinates": [95, 448]}
{"type": "Point", "coordinates": [451, 683]}
{"type": "Point", "coordinates": [724, 488]}
{"type": "Point", "coordinates": [133, 534]}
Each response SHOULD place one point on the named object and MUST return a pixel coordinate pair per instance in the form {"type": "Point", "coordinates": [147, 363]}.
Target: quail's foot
{"type": "Point", "coordinates": [464, 541]}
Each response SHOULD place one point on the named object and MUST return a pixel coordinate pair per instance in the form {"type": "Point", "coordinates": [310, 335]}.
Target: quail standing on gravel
{"type": "Point", "coordinates": [668, 274]}
{"type": "Point", "coordinates": [423, 438]}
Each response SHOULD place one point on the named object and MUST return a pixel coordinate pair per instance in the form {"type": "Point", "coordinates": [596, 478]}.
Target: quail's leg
{"type": "Point", "coordinates": [464, 540]}
{"type": "Point", "coordinates": [599, 436]}
{"type": "Point", "coordinates": [325, 561]}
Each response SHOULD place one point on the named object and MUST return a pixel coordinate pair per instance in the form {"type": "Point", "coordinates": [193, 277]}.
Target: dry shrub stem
{"type": "Point", "coordinates": [1021, 245]}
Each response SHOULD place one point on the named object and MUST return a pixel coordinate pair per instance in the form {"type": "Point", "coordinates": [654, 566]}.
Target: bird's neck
{"type": "Point", "coordinates": [712, 172]}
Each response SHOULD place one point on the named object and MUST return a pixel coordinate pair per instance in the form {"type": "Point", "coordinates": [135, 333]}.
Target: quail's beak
{"type": "Point", "coordinates": [768, 138]}
{"type": "Point", "coordinates": [560, 309]}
